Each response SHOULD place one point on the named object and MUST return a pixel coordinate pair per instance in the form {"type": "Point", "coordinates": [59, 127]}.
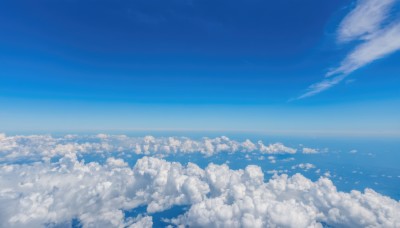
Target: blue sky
{"type": "Point", "coordinates": [273, 66]}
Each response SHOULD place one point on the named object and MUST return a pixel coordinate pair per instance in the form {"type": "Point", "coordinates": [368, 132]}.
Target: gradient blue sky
{"type": "Point", "coordinates": [190, 65]}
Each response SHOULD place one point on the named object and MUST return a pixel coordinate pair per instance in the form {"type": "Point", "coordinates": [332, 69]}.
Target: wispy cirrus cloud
{"type": "Point", "coordinates": [370, 23]}
{"type": "Point", "coordinates": [382, 43]}
{"type": "Point", "coordinates": [364, 20]}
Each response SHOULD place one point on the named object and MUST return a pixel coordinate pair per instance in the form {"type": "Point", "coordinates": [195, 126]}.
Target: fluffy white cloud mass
{"type": "Point", "coordinates": [276, 148]}
{"type": "Point", "coordinates": [51, 194]}
{"type": "Point", "coordinates": [33, 147]}
{"type": "Point", "coordinates": [307, 150]}
{"type": "Point", "coordinates": [305, 166]}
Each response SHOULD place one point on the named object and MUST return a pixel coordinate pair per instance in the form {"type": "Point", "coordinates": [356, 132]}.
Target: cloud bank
{"type": "Point", "coordinates": [34, 147]}
{"type": "Point", "coordinates": [43, 183]}
{"type": "Point", "coordinates": [370, 23]}
{"type": "Point", "coordinates": [53, 194]}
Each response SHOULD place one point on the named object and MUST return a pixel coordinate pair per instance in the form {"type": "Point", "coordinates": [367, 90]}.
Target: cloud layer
{"type": "Point", "coordinates": [371, 23]}
{"type": "Point", "coordinates": [97, 195]}
{"type": "Point", "coordinates": [34, 147]}
{"type": "Point", "coordinates": [44, 183]}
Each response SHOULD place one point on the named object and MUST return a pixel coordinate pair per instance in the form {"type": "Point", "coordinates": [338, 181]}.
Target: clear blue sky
{"type": "Point", "coordinates": [197, 65]}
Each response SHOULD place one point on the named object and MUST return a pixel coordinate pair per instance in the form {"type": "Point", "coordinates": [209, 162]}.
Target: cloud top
{"type": "Point", "coordinates": [43, 194]}
{"type": "Point", "coordinates": [59, 188]}
{"type": "Point", "coordinates": [34, 147]}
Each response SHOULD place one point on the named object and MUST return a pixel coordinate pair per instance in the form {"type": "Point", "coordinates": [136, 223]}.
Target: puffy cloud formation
{"type": "Point", "coordinates": [305, 166]}
{"type": "Point", "coordinates": [33, 147]}
{"type": "Point", "coordinates": [142, 222]}
{"type": "Point", "coordinates": [45, 194]}
{"type": "Point", "coordinates": [55, 193]}
{"type": "Point", "coordinates": [307, 150]}
{"type": "Point", "coordinates": [293, 202]}
{"type": "Point", "coordinates": [276, 148]}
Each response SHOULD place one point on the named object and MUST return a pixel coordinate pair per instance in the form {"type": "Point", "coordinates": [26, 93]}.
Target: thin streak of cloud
{"type": "Point", "coordinates": [363, 23]}
{"type": "Point", "coordinates": [364, 20]}
{"type": "Point", "coordinates": [384, 43]}
{"type": "Point", "coordinates": [321, 86]}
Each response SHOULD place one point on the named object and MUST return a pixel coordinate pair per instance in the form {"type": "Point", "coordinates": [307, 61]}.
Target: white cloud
{"type": "Point", "coordinates": [321, 86]}
{"type": "Point", "coordinates": [96, 194]}
{"type": "Point", "coordinates": [272, 159]}
{"type": "Point", "coordinates": [288, 159]}
{"type": "Point", "coordinates": [289, 202]}
{"type": "Point", "coordinates": [276, 148]}
{"type": "Point", "coordinates": [364, 20]}
{"type": "Point", "coordinates": [116, 162]}
{"type": "Point", "coordinates": [367, 22]}
{"type": "Point", "coordinates": [142, 222]}
{"type": "Point", "coordinates": [35, 147]}
{"type": "Point", "coordinates": [380, 44]}
{"type": "Point", "coordinates": [307, 150]}
{"type": "Point", "coordinates": [305, 166]}
{"type": "Point", "coordinates": [55, 193]}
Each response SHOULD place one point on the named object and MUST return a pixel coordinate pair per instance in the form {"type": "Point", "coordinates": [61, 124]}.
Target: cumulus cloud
{"type": "Point", "coordinates": [353, 151]}
{"type": "Point", "coordinates": [371, 23]}
{"type": "Point", "coordinates": [276, 148]}
{"type": "Point", "coordinates": [43, 193]}
{"type": "Point", "coordinates": [307, 150]}
{"type": "Point", "coordinates": [33, 147]}
{"type": "Point", "coordinates": [142, 222]}
{"type": "Point", "coordinates": [305, 166]}
{"type": "Point", "coordinates": [287, 202]}
{"type": "Point", "coordinates": [116, 162]}
{"type": "Point", "coordinates": [272, 159]}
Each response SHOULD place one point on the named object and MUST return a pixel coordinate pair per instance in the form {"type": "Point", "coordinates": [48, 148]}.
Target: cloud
{"type": "Point", "coordinates": [97, 195]}
{"type": "Point", "coordinates": [364, 20]}
{"type": "Point", "coordinates": [288, 202]}
{"type": "Point", "coordinates": [36, 147]}
{"type": "Point", "coordinates": [379, 45]}
{"type": "Point", "coordinates": [367, 23]}
{"type": "Point", "coordinates": [307, 150]}
{"type": "Point", "coordinates": [321, 86]}
{"type": "Point", "coordinates": [44, 193]}
{"type": "Point", "coordinates": [116, 162]}
{"type": "Point", "coordinates": [142, 222]}
{"type": "Point", "coordinates": [272, 159]}
{"type": "Point", "coordinates": [54, 192]}
{"type": "Point", "coordinates": [305, 166]}
{"type": "Point", "coordinates": [276, 148]}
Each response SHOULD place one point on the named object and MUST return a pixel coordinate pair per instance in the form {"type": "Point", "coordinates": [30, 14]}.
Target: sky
{"type": "Point", "coordinates": [271, 66]}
